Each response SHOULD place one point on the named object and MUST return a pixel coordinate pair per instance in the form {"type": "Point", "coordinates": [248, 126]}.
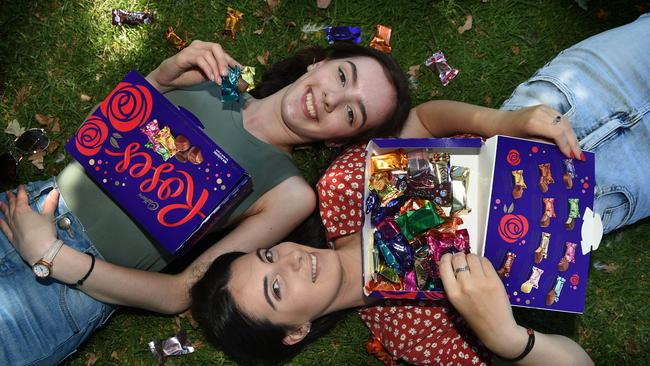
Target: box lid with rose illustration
{"type": "Point", "coordinates": [154, 160]}
{"type": "Point", "coordinates": [518, 202]}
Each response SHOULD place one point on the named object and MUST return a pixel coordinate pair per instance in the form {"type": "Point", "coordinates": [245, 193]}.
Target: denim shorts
{"type": "Point", "coordinates": [602, 85]}
{"type": "Point", "coordinates": [44, 321]}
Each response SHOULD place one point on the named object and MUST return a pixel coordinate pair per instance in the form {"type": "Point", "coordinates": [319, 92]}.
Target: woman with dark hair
{"type": "Point", "coordinates": [329, 95]}
{"type": "Point", "coordinates": [598, 99]}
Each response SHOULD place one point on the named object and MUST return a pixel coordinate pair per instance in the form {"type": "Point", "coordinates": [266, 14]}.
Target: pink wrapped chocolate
{"type": "Point", "coordinates": [438, 63]}
{"type": "Point", "coordinates": [569, 257]}
{"type": "Point", "coordinates": [533, 281]}
{"type": "Point", "coordinates": [151, 130]}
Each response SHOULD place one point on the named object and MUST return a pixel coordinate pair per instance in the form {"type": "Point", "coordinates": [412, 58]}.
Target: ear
{"type": "Point", "coordinates": [297, 334]}
{"type": "Point", "coordinates": [315, 65]}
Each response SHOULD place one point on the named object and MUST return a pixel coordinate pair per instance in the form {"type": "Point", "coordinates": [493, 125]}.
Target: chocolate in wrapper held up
{"type": "Point", "coordinates": [119, 17]}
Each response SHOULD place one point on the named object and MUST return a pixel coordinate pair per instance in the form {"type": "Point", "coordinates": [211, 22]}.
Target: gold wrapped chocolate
{"type": "Point", "coordinates": [389, 161]}
{"type": "Point", "coordinates": [459, 185]}
{"type": "Point", "coordinates": [165, 138]}
{"type": "Point", "coordinates": [381, 40]}
{"type": "Point", "coordinates": [173, 39]}
{"type": "Point", "coordinates": [248, 75]}
{"type": "Point", "coordinates": [232, 19]}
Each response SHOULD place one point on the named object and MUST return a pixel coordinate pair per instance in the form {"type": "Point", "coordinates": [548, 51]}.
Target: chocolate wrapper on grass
{"type": "Point", "coordinates": [173, 346]}
{"type": "Point", "coordinates": [438, 64]}
{"type": "Point", "coordinates": [351, 34]}
{"type": "Point", "coordinates": [174, 39]}
{"type": "Point", "coordinates": [232, 22]}
{"type": "Point", "coordinates": [119, 17]}
{"type": "Point", "coordinates": [381, 40]}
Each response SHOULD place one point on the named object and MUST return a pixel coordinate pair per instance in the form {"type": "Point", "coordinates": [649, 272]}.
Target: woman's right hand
{"type": "Point", "coordinates": [479, 296]}
{"type": "Point", "coordinates": [199, 62]}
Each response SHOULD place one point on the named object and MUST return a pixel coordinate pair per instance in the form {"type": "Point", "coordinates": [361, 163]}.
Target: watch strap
{"type": "Point", "coordinates": [55, 247]}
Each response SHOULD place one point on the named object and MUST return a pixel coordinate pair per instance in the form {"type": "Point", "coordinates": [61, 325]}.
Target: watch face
{"type": "Point", "coordinates": [41, 270]}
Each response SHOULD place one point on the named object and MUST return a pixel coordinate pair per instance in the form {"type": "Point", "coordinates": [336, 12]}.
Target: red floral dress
{"type": "Point", "coordinates": [420, 333]}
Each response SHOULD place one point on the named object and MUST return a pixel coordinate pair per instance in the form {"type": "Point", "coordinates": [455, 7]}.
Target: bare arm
{"type": "Point", "coordinates": [479, 296]}
{"type": "Point", "coordinates": [441, 118]}
{"type": "Point", "coordinates": [271, 218]}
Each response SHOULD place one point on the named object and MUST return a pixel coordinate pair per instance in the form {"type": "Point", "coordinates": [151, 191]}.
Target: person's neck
{"type": "Point", "coordinates": [351, 294]}
{"type": "Point", "coordinates": [262, 118]}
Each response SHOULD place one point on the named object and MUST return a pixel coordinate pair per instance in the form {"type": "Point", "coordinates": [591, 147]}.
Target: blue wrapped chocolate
{"type": "Point", "coordinates": [352, 34]}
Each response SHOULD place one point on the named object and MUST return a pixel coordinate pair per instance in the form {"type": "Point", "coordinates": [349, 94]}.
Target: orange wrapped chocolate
{"type": "Point", "coordinates": [381, 40]}
{"type": "Point", "coordinates": [173, 39]}
{"type": "Point", "coordinates": [232, 19]}
{"type": "Point", "coordinates": [389, 161]}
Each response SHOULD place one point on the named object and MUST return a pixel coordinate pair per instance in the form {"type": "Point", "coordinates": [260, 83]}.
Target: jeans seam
{"type": "Point", "coordinates": [622, 190]}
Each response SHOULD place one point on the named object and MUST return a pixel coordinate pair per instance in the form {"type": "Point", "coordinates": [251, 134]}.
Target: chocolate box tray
{"type": "Point", "coordinates": [174, 196]}
{"type": "Point", "coordinates": [499, 224]}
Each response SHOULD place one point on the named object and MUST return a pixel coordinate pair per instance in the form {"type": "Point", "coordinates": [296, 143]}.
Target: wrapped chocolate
{"type": "Point", "coordinates": [542, 251]}
{"type": "Point", "coordinates": [461, 241]}
{"type": "Point", "coordinates": [232, 21]}
{"type": "Point", "coordinates": [179, 344]}
{"type": "Point", "coordinates": [381, 284]}
{"type": "Point", "coordinates": [506, 267]}
{"type": "Point", "coordinates": [174, 40]}
{"type": "Point", "coordinates": [119, 17]}
{"type": "Point", "coordinates": [388, 228]}
{"type": "Point", "coordinates": [166, 140]}
{"type": "Point", "coordinates": [229, 84]}
{"type": "Point", "coordinates": [438, 64]}
{"type": "Point", "coordinates": [402, 250]}
{"type": "Point", "coordinates": [150, 130]}
{"type": "Point", "coordinates": [569, 173]}
{"type": "Point", "coordinates": [381, 40]}
{"type": "Point", "coordinates": [415, 222]}
{"type": "Point", "coordinates": [409, 282]}
{"type": "Point", "coordinates": [387, 272]}
{"type": "Point", "coordinates": [533, 281]}
{"type": "Point", "coordinates": [389, 257]}
{"type": "Point", "coordinates": [389, 161]}
{"type": "Point", "coordinates": [549, 212]}
{"type": "Point", "coordinates": [569, 257]}
{"type": "Point", "coordinates": [352, 34]}
{"type": "Point", "coordinates": [248, 79]}
{"type": "Point", "coordinates": [574, 213]}
{"type": "Point", "coordinates": [459, 189]}
{"type": "Point", "coordinates": [554, 294]}
{"type": "Point", "coordinates": [545, 177]}
{"type": "Point", "coordinates": [519, 185]}
{"type": "Point", "coordinates": [412, 204]}
{"type": "Point", "coordinates": [428, 176]}
{"type": "Point", "coordinates": [372, 202]}
{"type": "Point", "coordinates": [423, 271]}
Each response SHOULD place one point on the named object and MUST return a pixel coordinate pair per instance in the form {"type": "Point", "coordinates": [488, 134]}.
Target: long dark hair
{"type": "Point", "coordinates": [287, 71]}
{"type": "Point", "coordinates": [243, 338]}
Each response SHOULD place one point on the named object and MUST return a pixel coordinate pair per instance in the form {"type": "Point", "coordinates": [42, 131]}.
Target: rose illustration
{"type": "Point", "coordinates": [91, 135]}
{"type": "Point", "coordinates": [513, 227]}
{"type": "Point", "coordinates": [513, 157]}
{"type": "Point", "coordinates": [575, 279]}
{"type": "Point", "coordinates": [127, 107]}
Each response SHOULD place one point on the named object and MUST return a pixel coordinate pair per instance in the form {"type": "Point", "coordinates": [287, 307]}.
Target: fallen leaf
{"type": "Point", "coordinates": [632, 347]}
{"type": "Point", "coordinates": [43, 120]}
{"type": "Point", "coordinates": [435, 93]}
{"type": "Point", "coordinates": [114, 356]}
{"type": "Point", "coordinates": [515, 50]}
{"type": "Point", "coordinates": [37, 159]}
{"type": "Point", "coordinates": [259, 31]}
{"type": "Point", "coordinates": [264, 58]}
{"type": "Point", "coordinates": [607, 268]}
{"type": "Point", "coordinates": [414, 71]}
{"type": "Point", "coordinates": [602, 15]}
{"type": "Point", "coordinates": [85, 98]}
{"type": "Point", "coordinates": [273, 4]}
{"type": "Point", "coordinates": [198, 344]}
{"type": "Point", "coordinates": [487, 101]}
{"type": "Point", "coordinates": [323, 4]}
{"type": "Point", "coordinates": [91, 359]}
{"type": "Point", "coordinates": [20, 97]}
{"type": "Point", "coordinates": [468, 24]}
{"type": "Point", "coordinates": [188, 316]}
{"type": "Point", "coordinates": [56, 126]}
{"type": "Point", "coordinates": [293, 44]}
{"type": "Point", "coordinates": [98, 76]}
{"type": "Point", "coordinates": [14, 128]}
{"type": "Point", "coordinates": [52, 147]}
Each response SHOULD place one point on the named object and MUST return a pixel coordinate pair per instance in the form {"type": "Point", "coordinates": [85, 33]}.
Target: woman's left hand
{"type": "Point", "coordinates": [544, 122]}
{"type": "Point", "coordinates": [30, 231]}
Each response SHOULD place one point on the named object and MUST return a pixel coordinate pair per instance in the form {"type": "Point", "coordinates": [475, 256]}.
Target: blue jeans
{"type": "Point", "coordinates": [42, 322]}
{"type": "Point", "coordinates": [602, 85]}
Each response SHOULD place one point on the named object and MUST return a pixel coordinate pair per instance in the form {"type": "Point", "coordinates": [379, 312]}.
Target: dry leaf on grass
{"type": "Point", "coordinates": [293, 44]}
{"type": "Point", "coordinates": [273, 4]}
{"type": "Point", "coordinates": [91, 359]}
{"type": "Point", "coordinates": [52, 147]}
{"type": "Point", "coordinates": [264, 58]}
{"type": "Point", "coordinates": [37, 159]}
{"type": "Point", "coordinates": [515, 50]}
{"type": "Point", "coordinates": [323, 4]}
{"type": "Point", "coordinates": [114, 356]}
{"type": "Point", "coordinates": [188, 316]}
{"type": "Point", "coordinates": [20, 97]}
{"type": "Point", "coordinates": [258, 31]}
{"type": "Point", "coordinates": [43, 120]}
{"type": "Point", "coordinates": [85, 98]}
{"type": "Point", "coordinates": [468, 24]}
{"type": "Point", "coordinates": [14, 128]}
{"type": "Point", "coordinates": [414, 71]}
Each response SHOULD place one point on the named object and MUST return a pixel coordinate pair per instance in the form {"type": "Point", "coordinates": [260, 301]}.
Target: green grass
{"type": "Point", "coordinates": [53, 51]}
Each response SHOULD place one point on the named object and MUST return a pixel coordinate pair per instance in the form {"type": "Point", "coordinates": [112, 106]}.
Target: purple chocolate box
{"type": "Point", "coordinates": [499, 223]}
{"type": "Point", "coordinates": [127, 147]}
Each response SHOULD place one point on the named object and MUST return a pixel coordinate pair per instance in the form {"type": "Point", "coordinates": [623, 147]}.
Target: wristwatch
{"type": "Point", "coordinates": [43, 267]}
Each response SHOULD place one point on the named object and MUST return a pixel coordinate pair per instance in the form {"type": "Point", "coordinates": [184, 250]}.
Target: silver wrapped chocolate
{"type": "Point", "coordinates": [176, 345]}
{"type": "Point", "coordinates": [459, 186]}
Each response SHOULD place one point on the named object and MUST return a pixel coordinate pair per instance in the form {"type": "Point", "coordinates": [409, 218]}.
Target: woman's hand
{"type": "Point", "coordinates": [543, 122]}
{"type": "Point", "coordinates": [197, 63]}
{"type": "Point", "coordinates": [29, 231]}
{"type": "Point", "coordinates": [475, 290]}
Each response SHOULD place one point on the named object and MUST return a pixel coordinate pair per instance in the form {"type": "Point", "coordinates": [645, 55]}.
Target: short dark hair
{"type": "Point", "coordinates": [287, 71]}
{"type": "Point", "coordinates": [246, 340]}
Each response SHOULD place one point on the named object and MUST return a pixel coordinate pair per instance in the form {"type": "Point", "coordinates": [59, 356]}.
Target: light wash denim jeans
{"type": "Point", "coordinates": [602, 85]}
{"type": "Point", "coordinates": [42, 322]}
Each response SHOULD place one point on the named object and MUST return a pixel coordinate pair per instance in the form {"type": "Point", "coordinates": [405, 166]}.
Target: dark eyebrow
{"type": "Point", "coordinates": [266, 281]}
{"type": "Point", "coordinates": [354, 82]}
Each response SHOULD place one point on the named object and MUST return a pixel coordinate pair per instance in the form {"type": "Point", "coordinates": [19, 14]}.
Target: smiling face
{"type": "Point", "coordinates": [289, 284]}
{"type": "Point", "coordinates": [338, 98]}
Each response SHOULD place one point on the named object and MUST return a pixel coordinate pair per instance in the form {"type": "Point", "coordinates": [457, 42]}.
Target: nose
{"type": "Point", "coordinates": [294, 260]}
{"type": "Point", "coordinates": [332, 99]}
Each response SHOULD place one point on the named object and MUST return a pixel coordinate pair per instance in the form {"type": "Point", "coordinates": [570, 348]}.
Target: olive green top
{"type": "Point", "coordinates": [118, 238]}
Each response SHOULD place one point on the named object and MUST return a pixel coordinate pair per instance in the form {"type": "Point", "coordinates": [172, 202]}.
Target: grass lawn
{"type": "Point", "coordinates": [59, 58]}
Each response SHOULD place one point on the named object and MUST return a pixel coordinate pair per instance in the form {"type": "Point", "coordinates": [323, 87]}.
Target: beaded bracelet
{"type": "Point", "coordinates": [529, 347]}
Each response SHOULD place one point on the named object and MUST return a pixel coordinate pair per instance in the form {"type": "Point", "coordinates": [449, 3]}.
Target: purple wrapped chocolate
{"type": "Point", "coordinates": [334, 34]}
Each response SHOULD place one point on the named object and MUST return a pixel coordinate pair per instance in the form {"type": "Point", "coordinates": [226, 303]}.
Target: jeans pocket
{"type": "Point", "coordinates": [616, 206]}
{"type": "Point", "coordinates": [542, 89]}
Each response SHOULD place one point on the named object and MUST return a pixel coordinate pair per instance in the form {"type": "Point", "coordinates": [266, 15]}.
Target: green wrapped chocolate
{"type": "Point", "coordinates": [387, 272]}
{"type": "Point", "coordinates": [574, 213]}
{"type": "Point", "coordinates": [414, 222]}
